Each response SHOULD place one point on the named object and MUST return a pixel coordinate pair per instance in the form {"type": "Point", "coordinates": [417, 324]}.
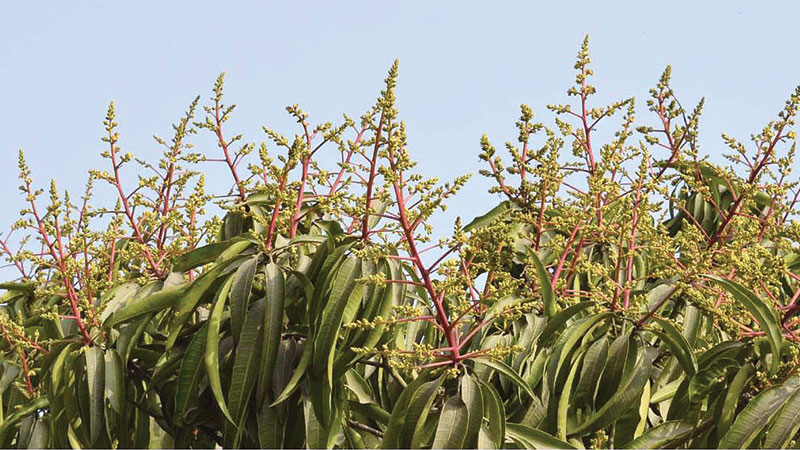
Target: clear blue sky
{"type": "Point", "coordinates": [465, 68]}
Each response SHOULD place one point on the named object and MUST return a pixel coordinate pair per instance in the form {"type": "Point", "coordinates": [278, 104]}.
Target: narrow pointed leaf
{"type": "Point", "coordinates": [529, 437]}
{"type": "Point", "coordinates": [190, 373]}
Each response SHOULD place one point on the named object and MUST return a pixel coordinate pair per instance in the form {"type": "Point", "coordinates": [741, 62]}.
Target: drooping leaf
{"type": "Point", "coordinates": [487, 219]}
{"type": "Point", "coordinates": [546, 289]}
{"type": "Point", "coordinates": [240, 293]}
{"type": "Point", "coordinates": [190, 373]}
{"type": "Point", "coordinates": [291, 386]}
{"type": "Point", "coordinates": [195, 291]}
{"type": "Point", "coordinates": [786, 424]}
{"type": "Point", "coordinates": [529, 437]}
{"type": "Point", "coordinates": [765, 315]}
{"type": "Point", "coordinates": [473, 398]}
{"type": "Point", "coordinates": [670, 434]}
{"type": "Point", "coordinates": [211, 354]}
{"type": "Point", "coordinates": [626, 395]}
{"type": "Point", "coordinates": [559, 320]}
{"type": "Point", "coordinates": [202, 255]}
{"type": "Point", "coordinates": [755, 416]}
{"type": "Point", "coordinates": [503, 369]}
{"type": "Point", "coordinates": [273, 324]}
{"type": "Point", "coordinates": [246, 366]}
{"type": "Point", "coordinates": [155, 302]}
{"type": "Point", "coordinates": [331, 321]}
{"type": "Point", "coordinates": [452, 424]}
{"type": "Point", "coordinates": [678, 345]}
{"type": "Point", "coordinates": [114, 381]}
{"type": "Point", "coordinates": [95, 377]}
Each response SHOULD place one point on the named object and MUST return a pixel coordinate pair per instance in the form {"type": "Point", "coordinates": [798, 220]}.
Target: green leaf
{"type": "Point", "coordinates": [494, 412]}
{"type": "Point", "coordinates": [40, 437]}
{"type": "Point", "coordinates": [487, 219]}
{"type": "Point", "coordinates": [670, 434]}
{"type": "Point", "coordinates": [291, 386]}
{"type": "Point", "coordinates": [114, 381]}
{"type": "Point", "coordinates": [245, 366]}
{"type": "Point", "coordinates": [678, 344]}
{"type": "Point", "coordinates": [764, 313]}
{"type": "Point", "coordinates": [273, 324]}
{"type": "Point", "coordinates": [786, 424]}
{"type": "Point", "coordinates": [508, 372]}
{"type": "Point", "coordinates": [564, 402]}
{"type": "Point", "coordinates": [755, 416]}
{"type": "Point", "coordinates": [270, 427]}
{"type": "Point", "coordinates": [452, 426]}
{"type": "Point", "coordinates": [190, 372]}
{"type": "Point", "coordinates": [194, 292]}
{"type": "Point", "coordinates": [158, 301]}
{"type": "Point", "coordinates": [116, 297]}
{"type": "Point", "coordinates": [211, 356]}
{"type": "Point", "coordinates": [317, 435]}
{"type": "Point", "coordinates": [325, 341]}
{"type": "Point", "coordinates": [548, 297]}
{"type": "Point", "coordinates": [240, 294]}
{"type": "Point", "coordinates": [95, 378]}
{"type": "Point", "coordinates": [593, 364]}
{"type": "Point", "coordinates": [559, 320]}
{"type": "Point", "coordinates": [529, 437]}
{"type": "Point", "coordinates": [566, 343]}
{"type": "Point", "coordinates": [627, 394]}
{"type": "Point", "coordinates": [394, 429]}
{"type": "Point", "coordinates": [471, 394]}
{"type": "Point", "coordinates": [202, 255]}
{"type": "Point", "coordinates": [25, 411]}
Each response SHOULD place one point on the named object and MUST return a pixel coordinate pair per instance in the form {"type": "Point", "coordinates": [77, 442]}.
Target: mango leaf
{"type": "Point", "coordinates": [114, 381]}
{"type": "Point", "coordinates": [559, 320]}
{"type": "Point", "coordinates": [755, 416]}
{"type": "Point", "coordinates": [195, 291]}
{"type": "Point", "coordinates": [786, 424]}
{"type": "Point", "coordinates": [494, 412]}
{"type": "Point", "coordinates": [240, 293]}
{"type": "Point", "coordinates": [626, 395]}
{"type": "Point", "coordinates": [594, 361]}
{"type": "Point", "coordinates": [95, 378]}
{"type": "Point", "coordinates": [487, 219]}
{"type": "Point", "coordinates": [473, 398]}
{"type": "Point", "coordinates": [564, 402]}
{"type": "Point", "coordinates": [158, 301]}
{"type": "Point", "coordinates": [245, 366]}
{"type": "Point", "coordinates": [546, 289]}
{"type": "Point", "coordinates": [273, 324]}
{"type": "Point", "coordinates": [340, 296]}
{"type": "Point", "coordinates": [211, 355]}
{"type": "Point", "coordinates": [291, 386]}
{"type": "Point", "coordinates": [452, 426]}
{"type": "Point", "coordinates": [670, 434]}
{"type": "Point", "coordinates": [765, 315]}
{"type": "Point", "coordinates": [678, 344]}
{"type": "Point", "coordinates": [270, 427]}
{"type": "Point", "coordinates": [529, 437]}
{"type": "Point", "coordinates": [117, 297]}
{"type": "Point", "coordinates": [506, 371]}
{"type": "Point", "coordinates": [190, 373]}
{"type": "Point", "coordinates": [202, 255]}
{"type": "Point", "coordinates": [394, 429]}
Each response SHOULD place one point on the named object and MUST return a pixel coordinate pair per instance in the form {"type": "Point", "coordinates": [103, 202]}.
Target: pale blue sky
{"type": "Point", "coordinates": [464, 68]}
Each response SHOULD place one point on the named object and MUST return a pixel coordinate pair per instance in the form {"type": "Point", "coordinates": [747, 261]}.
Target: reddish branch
{"type": "Point", "coordinates": [224, 146]}
{"type": "Point", "coordinates": [128, 212]}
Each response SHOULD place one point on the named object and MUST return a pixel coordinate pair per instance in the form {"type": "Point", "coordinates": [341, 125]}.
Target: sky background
{"type": "Point", "coordinates": [464, 69]}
